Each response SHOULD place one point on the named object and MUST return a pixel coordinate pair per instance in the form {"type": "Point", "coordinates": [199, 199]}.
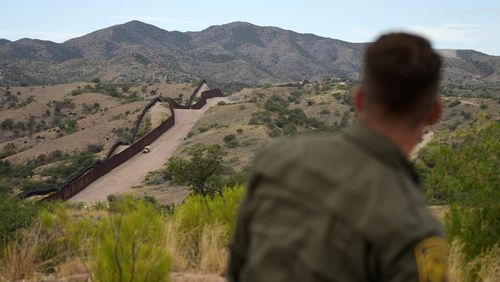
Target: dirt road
{"type": "Point", "coordinates": [425, 139]}
{"type": "Point", "coordinates": [133, 171]}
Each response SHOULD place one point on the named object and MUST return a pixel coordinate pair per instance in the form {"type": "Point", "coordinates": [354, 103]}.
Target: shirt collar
{"type": "Point", "coordinates": [380, 147]}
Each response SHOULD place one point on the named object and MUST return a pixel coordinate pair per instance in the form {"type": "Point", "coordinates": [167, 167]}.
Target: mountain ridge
{"type": "Point", "coordinates": [233, 52]}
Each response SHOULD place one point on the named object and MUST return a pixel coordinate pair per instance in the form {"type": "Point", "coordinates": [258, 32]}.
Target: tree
{"type": "Point", "coordinates": [202, 170]}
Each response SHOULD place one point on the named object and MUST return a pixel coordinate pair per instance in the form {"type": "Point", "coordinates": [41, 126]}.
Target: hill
{"type": "Point", "coordinates": [237, 52]}
{"type": "Point", "coordinates": [257, 116]}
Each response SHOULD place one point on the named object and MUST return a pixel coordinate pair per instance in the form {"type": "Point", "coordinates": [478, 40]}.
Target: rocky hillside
{"type": "Point", "coordinates": [234, 52]}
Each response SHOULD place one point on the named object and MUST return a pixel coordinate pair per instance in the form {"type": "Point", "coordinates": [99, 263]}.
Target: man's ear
{"type": "Point", "coordinates": [435, 113]}
{"type": "Point", "coordinates": [358, 96]}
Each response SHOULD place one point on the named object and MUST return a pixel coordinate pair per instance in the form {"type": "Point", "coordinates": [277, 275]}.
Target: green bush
{"type": "Point", "coordinates": [466, 175]}
{"type": "Point", "coordinates": [275, 133]}
{"type": "Point", "coordinates": [15, 215]}
{"type": "Point", "coordinates": [276, 104]}
{"type": "Point", "coordinates": [29, 185]}
{"type": "Point", "coordinates": [7, 124]}
{"type": "Point", "coordinates": [454, 103]}
{"type": "Point", "coordinates": [126, 245]}
{"type": "Point", "coordinates": [231, 141]}
{"type": "Point", "coordinates": [197, 212]}
{"type": "Point", "coordinates": [95, 148]}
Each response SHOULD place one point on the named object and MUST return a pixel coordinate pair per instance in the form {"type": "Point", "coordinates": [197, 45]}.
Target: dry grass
{"type": "Point", "coordinates": [210, 256]}
{"type": "Point", "coordinates": [488, 264]}
{"type": "Point", "coordinates": [180, 259]}
{"type": "Point", "coordinates": [213, 251]}
{"type": "Point", "coordinates": [20, 259]}
{"type": "Point", "coordinates": [194, 258]}
{"type": "Point", "coordinates": [72, 267]}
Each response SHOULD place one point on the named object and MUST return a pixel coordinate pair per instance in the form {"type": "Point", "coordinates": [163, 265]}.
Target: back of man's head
{"type": "Point", "coordinates": [400, 77]}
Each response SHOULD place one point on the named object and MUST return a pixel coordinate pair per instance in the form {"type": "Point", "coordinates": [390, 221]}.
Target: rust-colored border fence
{"type": "Point", "coordinates": [86, 176]}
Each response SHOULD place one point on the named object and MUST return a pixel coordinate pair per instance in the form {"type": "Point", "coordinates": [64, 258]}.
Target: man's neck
{"type": "Point", "coordinates": [405, 139]}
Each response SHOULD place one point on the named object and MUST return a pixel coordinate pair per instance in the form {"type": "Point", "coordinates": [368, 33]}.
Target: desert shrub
{"type": "Point", "coordinates": [90, 108]}
{"type": "Point", "coordinates": [197, 211]}
{"type": "Point", "coordinates": [326, 86]}
{"type": "Point", "coordinates": [324, 112]}
{"type": "Point", "coordinates": [73, 164]}
{"type": "Point", "coordinates": [276, 104]}
{"type": "Point", "coordinates": [253, 121]}
{"type": "Point", "coordinates": [239, 130]}
{"type": "Point", "coordinates": [289, 129]}
{"type": "Point", "coordinates": [483, 106]}
{"type": "Point", "coordinates": [454, 103]}
{"type": "Point", "coordinates": [221, 103]}
{"type": "Point", "coordinates": [237, 179]}
{"type": "Point", "coordinates": [128, 245]}
{"type": "Point", "coordinates": [16, 171]}
{"type": "Point", "coordinates": [71, 126]}
{"type": "Point", "coordinates": [29, 185]}
{"type": "Point", "coordinates": [466, 115]}
{"type": "Point", "coordinates": [8, 150]}
{"type": "Point", "coordinates": [125, 245]}
{"type": "Point", "coordinates": [95, 148]}
{"type": "Point", "coordinates": [16, 215]}
{"type": "Point", "coordinates": [9, 146]}
{"type": "Point", "coordinates": [55, 154]}
{"type": "Point", "coordinates": [231, 141]}
{"type": "Point", "coordinates": [7, 124]}
{"type": "Point", "coordinates": [261, 117]}
{"type": "Point", "coordinates": [275, 133]}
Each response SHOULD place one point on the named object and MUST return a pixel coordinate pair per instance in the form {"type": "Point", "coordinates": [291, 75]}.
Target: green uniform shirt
{"type": "Point", "coordinates": [336, 208]}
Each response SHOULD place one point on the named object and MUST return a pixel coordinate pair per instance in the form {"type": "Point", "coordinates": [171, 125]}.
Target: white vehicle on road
{"type": "Point", "coordinates": [146, 149]}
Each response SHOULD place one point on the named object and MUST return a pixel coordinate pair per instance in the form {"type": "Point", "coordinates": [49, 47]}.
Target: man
{"type": "Point", "coordinates": [350, 207]}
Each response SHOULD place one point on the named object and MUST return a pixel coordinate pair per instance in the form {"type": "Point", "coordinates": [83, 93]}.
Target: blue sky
{"type": "Point", "coordinates": [456, 24]}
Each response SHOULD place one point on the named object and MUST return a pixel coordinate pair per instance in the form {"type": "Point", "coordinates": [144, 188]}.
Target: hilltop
{"type": "Point", "coordinates": [237, 52]}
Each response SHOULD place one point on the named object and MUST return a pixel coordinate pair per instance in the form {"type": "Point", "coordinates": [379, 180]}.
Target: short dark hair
{"type": "Point", "coordinates": [401, 76]}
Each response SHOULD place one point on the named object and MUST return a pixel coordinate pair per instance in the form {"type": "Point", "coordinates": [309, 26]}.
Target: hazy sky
{"type": "Point", "coordinates": [459, 24]}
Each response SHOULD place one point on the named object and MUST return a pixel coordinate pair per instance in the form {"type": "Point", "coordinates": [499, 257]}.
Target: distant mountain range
{"type": "Point", "coordinates": [234, 52]}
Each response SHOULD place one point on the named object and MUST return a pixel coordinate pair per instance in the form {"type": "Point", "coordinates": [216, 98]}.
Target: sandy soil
{"type": "Point", "coordinates": [132, 172]}
{"type": "Point", "coordinates": [469, 103]}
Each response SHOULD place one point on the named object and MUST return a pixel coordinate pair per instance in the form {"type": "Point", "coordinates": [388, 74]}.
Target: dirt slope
{"type": "Point", "coordinates": [132, 172]}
